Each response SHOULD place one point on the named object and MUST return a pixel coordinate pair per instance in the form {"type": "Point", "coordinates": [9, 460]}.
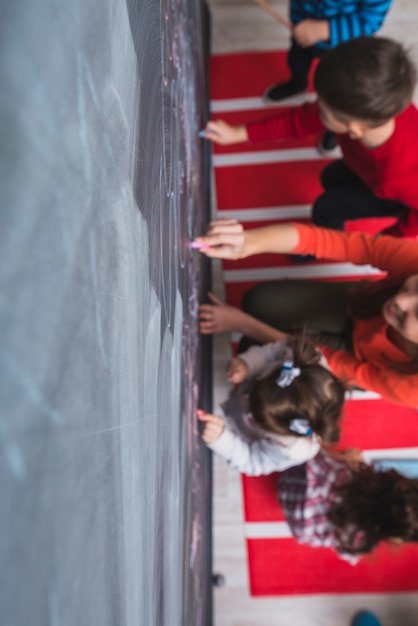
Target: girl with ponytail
{"type": "Point", "coordinates": [286, 405]}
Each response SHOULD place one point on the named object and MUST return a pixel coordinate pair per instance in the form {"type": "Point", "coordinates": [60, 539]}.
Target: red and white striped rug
{"type": "Point", "coordinates": [259, 184]}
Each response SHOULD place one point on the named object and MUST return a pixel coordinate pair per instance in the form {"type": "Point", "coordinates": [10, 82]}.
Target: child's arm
{"type": "Point", "coordinates": [236, 371]}
{"type": "Point", "coordinates": [365, 21]}
{"type": "Point", "coordinates": [352, 456]}
{"type": "Point", "coordinates": [309, 32]}
{"type": "Point", "coordinates": [295, 123]}
{"type": "Point", "coordinates": [227, 239]}
{"type": "Point", "coordinates": [256, 457]}
{"type": "Point", "coordinates": [219, 317]}
{"type": "Point", "coordinates": [224, 134]}
{"type": "Point", "coordinates": [257, 358]}
{"type": "Point", "coordinates": [391, 385]}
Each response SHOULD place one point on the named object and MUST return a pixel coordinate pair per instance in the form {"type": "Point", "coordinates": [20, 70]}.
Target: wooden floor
{"type": "Point", "coordinates": [240, 25]}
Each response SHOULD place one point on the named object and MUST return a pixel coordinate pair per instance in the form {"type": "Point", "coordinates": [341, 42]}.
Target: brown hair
{"type": "Point", "coordinates": [316, 396]}
{"type": "Point", "coordinates": [369, 78]}
{"type": "Point", "coordinates": [374, 506]}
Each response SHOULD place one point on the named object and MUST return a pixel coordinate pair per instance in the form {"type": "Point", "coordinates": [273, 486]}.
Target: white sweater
{"type": "Point", "coordinates": [245, 446]}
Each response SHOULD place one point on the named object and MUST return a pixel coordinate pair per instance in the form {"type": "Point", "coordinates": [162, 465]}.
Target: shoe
{"type": "Point", "coordinates": [365, 618]}
{"type": "Point", "coordinates": [282, 91]}
{"type": "Point", "coordinates": [327, 144]}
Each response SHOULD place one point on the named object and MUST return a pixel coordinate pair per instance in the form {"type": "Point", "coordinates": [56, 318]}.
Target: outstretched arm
{"type": "Point", "coordinates": [391, 385]}
{"type": "Point", "coordinates": [223, 318]}
{"type": "Point", "coordinates": [352, 456]}
{"type": "Point", "coordinates": [227, 239]}
{"type": "Point", "coordinates": [260, 456]}
{"type": "Point", "coordinates": [220, 132]}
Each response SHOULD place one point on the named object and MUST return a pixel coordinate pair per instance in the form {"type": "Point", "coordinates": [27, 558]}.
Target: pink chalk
{"type": "Point", "coordinates": [198, 244]}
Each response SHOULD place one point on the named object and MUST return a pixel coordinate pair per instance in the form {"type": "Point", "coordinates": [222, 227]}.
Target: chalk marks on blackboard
{"type": "Point", "coordinates": [87, 167]}
{"type": "Point", "coordinates": [96, 298]}
{"type": "Point", "coordinates": [12, 455]}
{"type": "Point", "coordinates": [14, 376]}
{"type": "Point", "coordinates": [25, 384]}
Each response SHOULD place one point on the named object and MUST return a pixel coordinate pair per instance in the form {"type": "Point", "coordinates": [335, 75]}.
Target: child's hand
{"type": "Point", "coordinates": [353, 456]}
{"type": "Point", "coordinates": [225, 134]}
{"type": "Point", "coordinates": [224, 239]}
{"type": "Point", "coordinates": [214, 426]}
{"type": "Point", "coordinates": [308, 32]}
{"type": "Point", "coordinates": [236, 370]}
{"type": "Point", "coordinates": [219, 317]}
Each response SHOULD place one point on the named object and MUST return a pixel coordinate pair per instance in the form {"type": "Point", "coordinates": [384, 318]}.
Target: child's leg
{"type": "Point", "coordinates": [346, 197]}
{"type": "Point", "coordinates": [294, 305]}
{"type": "Point", "coordinates": [299, 61]}
{"type": "Point", "coordinates": [337, 173]}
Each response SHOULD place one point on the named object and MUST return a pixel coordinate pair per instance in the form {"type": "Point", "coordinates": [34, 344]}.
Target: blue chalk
{"type": "Point", "coordinates": [202, 133]}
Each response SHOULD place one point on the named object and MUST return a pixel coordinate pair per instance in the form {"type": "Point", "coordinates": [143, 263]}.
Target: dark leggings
{"type": "Point", "coordinates": [346, 197]}
{"type": "Point", "coordinates": [299, 61]}
{"type": "Point", "coordinates": [318, 307]}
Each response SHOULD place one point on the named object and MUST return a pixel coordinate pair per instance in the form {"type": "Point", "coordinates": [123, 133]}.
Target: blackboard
{"type": "Point", "coordinates": [105, 486]}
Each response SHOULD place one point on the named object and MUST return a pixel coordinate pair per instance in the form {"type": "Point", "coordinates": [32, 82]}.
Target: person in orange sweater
{"type": "Point", "coordinates": [368, 330]}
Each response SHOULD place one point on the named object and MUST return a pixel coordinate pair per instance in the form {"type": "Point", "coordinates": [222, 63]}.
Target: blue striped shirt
{"type": "Point", "coordinates": [347, 19]}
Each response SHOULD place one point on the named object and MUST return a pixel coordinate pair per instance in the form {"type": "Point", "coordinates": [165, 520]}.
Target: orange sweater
{"type": "Point", "coordinates": [368, 367]}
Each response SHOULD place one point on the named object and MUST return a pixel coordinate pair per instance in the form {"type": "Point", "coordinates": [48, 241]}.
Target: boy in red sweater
{"type": "Point", "coordinates": [365, 87]}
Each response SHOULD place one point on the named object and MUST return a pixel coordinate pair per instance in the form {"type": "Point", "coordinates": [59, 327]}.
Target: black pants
{"type": "Point", "coordinates": [299, 61]}
{"type": "Point", "coordinates": [347, 197]}
{"type": "Point", "coordinates": [316, 307]}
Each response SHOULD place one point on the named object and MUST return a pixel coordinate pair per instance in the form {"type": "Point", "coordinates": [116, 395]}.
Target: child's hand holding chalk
{"type": "Point", "coordinates": [207, 133]}
{"type": "Point", "coordinates": [199, 245]}
{"type": "Point", "coordinates": [213, 426]}
{"type": "Point", "coordinates": [224, 134]}
{"type": "Point", "coordinates": [224, 239]}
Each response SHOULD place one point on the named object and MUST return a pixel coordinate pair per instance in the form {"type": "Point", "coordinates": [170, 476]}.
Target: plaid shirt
{"type": "Point", "coordinates": [305, 494]}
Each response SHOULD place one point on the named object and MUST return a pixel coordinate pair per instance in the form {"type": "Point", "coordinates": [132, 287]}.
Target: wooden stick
{"type": "Point", "coordinates": [263, 4]}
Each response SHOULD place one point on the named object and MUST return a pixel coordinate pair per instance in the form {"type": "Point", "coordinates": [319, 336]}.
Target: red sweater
{"type": "Point", "coordinates": [390, 171]}
{"type": "Point", "coordinates": [368, 368]}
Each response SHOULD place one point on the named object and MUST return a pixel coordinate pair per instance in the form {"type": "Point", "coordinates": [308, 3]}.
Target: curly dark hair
{"type": "Point", "coordinates": [374, 506]}
{"type": "Point", "coordinates": [316, 395]}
